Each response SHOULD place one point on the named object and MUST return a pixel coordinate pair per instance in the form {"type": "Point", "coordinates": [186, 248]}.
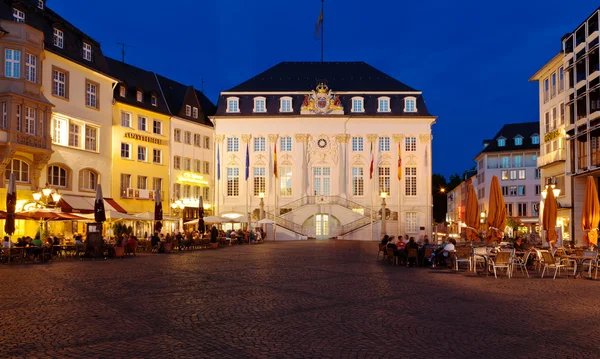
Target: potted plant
{"type": "Point", "coordinates": [119, 249]}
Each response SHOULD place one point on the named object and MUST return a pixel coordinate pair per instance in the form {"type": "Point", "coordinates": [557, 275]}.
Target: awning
{"type": "Point", "coordinates": [149, 216]}
{"type": "Point", "coordinates": [81, 204]}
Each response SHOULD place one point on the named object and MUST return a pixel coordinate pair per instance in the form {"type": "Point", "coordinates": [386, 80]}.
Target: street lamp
{"type": "Point", "coordinates": [551, 184]}
{"type": "Point", "coordinates": [261, 215]}
{"type": "Point", "coordinates": [43, 197]}
{"type": "Point", "coordinates": [177, 205]}
{"type": "Point", "coordinates": [383, 195]}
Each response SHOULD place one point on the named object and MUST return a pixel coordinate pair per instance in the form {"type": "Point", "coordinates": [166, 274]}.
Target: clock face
{"type": "Point", "coordinates": [322, 143]}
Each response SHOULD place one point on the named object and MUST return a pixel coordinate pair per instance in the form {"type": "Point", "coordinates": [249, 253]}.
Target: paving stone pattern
{"type": "Point", "coordinates": [311, 299]}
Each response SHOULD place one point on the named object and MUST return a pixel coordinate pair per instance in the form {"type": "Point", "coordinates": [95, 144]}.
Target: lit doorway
{"type": "Point", "coordinates": [322, 226]}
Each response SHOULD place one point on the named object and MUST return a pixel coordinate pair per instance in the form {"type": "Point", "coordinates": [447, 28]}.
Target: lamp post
{"type": "Point", "coordinates": [383, 195]}
{"type": "Point", "coordinates": [177, 206]}
{"type": "Point", "coordinates": [261, 215]}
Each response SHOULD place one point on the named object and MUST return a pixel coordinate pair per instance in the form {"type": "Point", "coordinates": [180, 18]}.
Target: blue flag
{"type": "Point", "coordinates": [247, 162]}
{"type": "Point", "coordinates": [218, 164]}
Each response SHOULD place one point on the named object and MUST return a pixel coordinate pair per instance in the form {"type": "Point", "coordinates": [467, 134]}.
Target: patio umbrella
{"type": "Point", "coordinates": [201, 215]}
{"type": "Point", "coordinates": [158, 212]}
{"type": "Point", "coordinates": [11, 205]}
{"type": "Point", "coordinates": [496, 220]}
{"type": "Point", "coordinates": [549, 218]}
{"type": "Point", "coordinates": [48, 215]}
{"type": "Point", "coordinates": [472, 214]}
{"type": "Point", "coordinates": [99, 214]}
{"type": "Point", "coordinates": [591, 212]}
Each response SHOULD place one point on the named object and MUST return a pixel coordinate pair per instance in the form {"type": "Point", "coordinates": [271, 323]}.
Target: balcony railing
{"type": "Point", "coordinates": [554, 156]}
{"type": "Point", "coordinates": [31, 140]}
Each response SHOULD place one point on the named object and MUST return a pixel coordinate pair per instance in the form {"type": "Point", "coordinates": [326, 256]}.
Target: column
{"type": "Point", "coordinates": [302, 138]}
{"type": "Point", "coordinates": [372, 141]}
{"type": "Point", "coordinates": [399, 141]}
{"type": "Point", "coordinates": [342, 140]}
{"type": "Point", "coordinates": [425, 139]}
{"type": "Point", "coordinates": [246, 151]}
{"type": "Point", "coordinates": [218, 162]}
{"type": "Point", "coordinates": [273, 182]}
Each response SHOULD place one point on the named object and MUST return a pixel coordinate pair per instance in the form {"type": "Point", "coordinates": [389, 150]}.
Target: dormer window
{"type": "Point", "coordinates": [358, 104]}
{"type": "Point", "coordinates": [58, 39]}
{"type": "Point", "coordinates": [535, 139]}
{"type": "Point", "coordinates": [188, 110]}
{"type": "Point", "coordinates": [233, 104]}
{"type": "Point", "coordinates": [122, 91]}
{"type": "Point", "coordinates": [501, 142]}
{"type": "Point", "coordinates": [410, 104]}
{"type": "Point", "coordinates": [41, 4]}
{"type": "Point", "coordinates": [154, 100]}
{"type": "Point", "coordinates": [260, 104]}
{"type": "Point", "coordinates": [195, 112]}
{"type": "Point", "coordinates": [518, 141]}
{"type": "Point", "coordinates": [87, 51]}
{"type": "Point", "coordinates": [18, 15]}
{"type": "Point", "coordinates": [138, 96]}
{"type": "Point", "coordinates": [383, 104]}
{"type": "Point", "coordinates": [285, 104]}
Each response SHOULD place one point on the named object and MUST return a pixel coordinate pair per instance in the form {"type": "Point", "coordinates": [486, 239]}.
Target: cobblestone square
{"type": "Point", "coordinates": [320, 299]}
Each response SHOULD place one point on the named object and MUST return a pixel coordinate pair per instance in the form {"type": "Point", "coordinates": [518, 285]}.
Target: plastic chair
{"type": "Point", "coordinates": [549, 262]}
{"type": "Point", "coordinates": [502, 260]}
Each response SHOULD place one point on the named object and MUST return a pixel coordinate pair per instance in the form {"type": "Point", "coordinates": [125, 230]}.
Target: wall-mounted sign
{"type": "Point", "coordinates": [552, 135]}
{"type": "Point", "coordinates": [192, 178]}
{"type": "Point", "coordinates": [149, 139]}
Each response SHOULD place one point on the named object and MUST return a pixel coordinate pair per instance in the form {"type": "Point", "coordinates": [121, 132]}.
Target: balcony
{"type": "Point", "coordinates": [551, 158]}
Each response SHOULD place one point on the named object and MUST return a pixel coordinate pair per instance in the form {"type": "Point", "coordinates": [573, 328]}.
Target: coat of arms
{"type": "Point", "coordinates": [321, 101]}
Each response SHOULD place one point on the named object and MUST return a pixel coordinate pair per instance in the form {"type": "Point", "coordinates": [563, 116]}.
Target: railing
{"type": "Point", "coordinates": [358, 224]}
{"type": "Point", "coordinates": [292, 226]}
{"type": "Point", "coordinates": [307, 200]}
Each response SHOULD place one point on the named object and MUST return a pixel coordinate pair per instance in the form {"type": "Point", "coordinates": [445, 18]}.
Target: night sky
{"type": "Point", "coordinates": [472, 59]}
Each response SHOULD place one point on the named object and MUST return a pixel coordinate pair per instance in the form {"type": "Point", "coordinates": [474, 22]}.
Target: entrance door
{"type": "Point", "coordinates": [322, 226]}
{"type": "Point", "coordinates": [321, 181]}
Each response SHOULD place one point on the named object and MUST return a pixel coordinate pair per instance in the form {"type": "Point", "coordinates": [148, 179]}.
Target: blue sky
{"type": "Point", "coordinates": [472, 59]}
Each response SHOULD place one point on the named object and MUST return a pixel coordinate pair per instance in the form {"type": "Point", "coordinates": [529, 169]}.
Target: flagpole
{"type": "Point", "coordinates": [322, 28]}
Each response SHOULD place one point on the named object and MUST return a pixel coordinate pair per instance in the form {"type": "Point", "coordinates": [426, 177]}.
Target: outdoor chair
{"type": "Point", "coordinates": [549, 262]}
{"type": "Point", "coordinates": [591, 263]}
{"type": "Point", "coordinates": [412, 257]}
{"type": "Point", "coordinates": [391, 257]}
{"type": "Point", "coordinates": [479, 254]}
{"type": "Point", "coordinates": [382, 251]}
{"type": "Point", "coordinates": [521, 263]}
{"type": "Point", "coordinates": [463, 255]}
{"type": "Point", "coordinates": [426, 256]}
{"type": "Point", "coordinates": [502, 260]}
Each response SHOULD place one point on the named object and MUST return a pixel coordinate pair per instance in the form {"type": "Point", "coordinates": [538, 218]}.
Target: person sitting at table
{"type": "Point", "coordinates": [445, 252]}
{"type": "Point", "coordinates": [154, 242]}
{"type": "Point", "coordinates": [411, 245]}
{"type": "Point", "coordinates": [519, 245]}
{"type": "Point", "coordinates": [385, 240]}
{"type": "Point", "coordinates": [7, 242]}
{"type": "Point", "coordinates": [425, 246]}
{"type": "Point", "coordinates": [79, 245]}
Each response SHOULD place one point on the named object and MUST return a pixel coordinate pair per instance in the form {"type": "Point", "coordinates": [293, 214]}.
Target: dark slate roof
{"type": "Point", "coordinates": [208, 107]}
{"type": "Point", "coordinates": [179, 95]}
{"type": "Point", "coordinates": [305, 76]}
{"type": "Point", "coordinates": [134, 78]}
{"type": "Point", "coordinates": [46, 20]}
{"type": "Point", "coordinates": [509, 132]}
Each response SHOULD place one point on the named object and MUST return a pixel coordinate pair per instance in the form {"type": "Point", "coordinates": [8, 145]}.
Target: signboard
{"type": "Point", "coordinates": [94, 241]}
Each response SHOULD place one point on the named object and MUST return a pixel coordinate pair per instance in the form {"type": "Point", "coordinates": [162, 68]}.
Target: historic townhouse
{"type": "Point", "coordinates": [323, 142]}
{"type": "Point", "coordinates": [191, 148]}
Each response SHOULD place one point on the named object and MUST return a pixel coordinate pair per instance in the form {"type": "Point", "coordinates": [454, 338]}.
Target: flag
{"type": "Point", "coordinates": [372, 162]}
{"type": "Point", "coordinates": [399, 163]}
{"type": "Point", "coordinates": [218, 164]}
{"type": "Point", "coordinates": [275, 171]}
{"type": "Point", "coordinates": [247, 162]}
{"type": "Point", "coordinates": [318, 32]}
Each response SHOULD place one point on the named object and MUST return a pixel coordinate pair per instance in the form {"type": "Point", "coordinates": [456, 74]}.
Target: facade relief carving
{"type": "Point", "coordinates": [425, 138]}
{"type": "Point", "coordinates": [234, 160]}
{"type": "Point", "coordinates": [301, 137]}
{"type": "Point", "coordinates": [246, 138]}
{"type": "Point", "coordinates": [220, 138]}
{"type": "Point", "coordinates": [321, 147]}
{"type": "Point", "coordinates": [272, 138]}
{"type": "Point", "coordinates": [398, 138]}
{"type": "Point", "coordinates": [371, 137]}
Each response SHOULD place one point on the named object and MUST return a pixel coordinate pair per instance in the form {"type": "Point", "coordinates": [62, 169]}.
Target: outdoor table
{"type": "Point", "coordinates": [579, 260]}
{"type": "Point", "coordinates": [486, 257]}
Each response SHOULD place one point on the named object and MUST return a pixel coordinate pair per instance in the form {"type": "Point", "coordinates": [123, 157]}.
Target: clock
{"type": "Point", "coordinates": [322, 143]}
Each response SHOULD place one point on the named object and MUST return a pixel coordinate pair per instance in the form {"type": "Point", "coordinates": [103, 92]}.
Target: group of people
{"type": "Point", "coordinates": [411, 253]}
{"type": "Point", "coordinates": [244, 236]}
{"type": "Point", "coordinates": [184, 240]}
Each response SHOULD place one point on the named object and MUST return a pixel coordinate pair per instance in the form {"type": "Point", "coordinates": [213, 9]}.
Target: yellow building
{"type": "Point", "coordinates": [140, 140]}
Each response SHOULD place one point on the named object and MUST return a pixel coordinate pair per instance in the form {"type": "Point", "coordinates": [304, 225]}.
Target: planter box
{"type": "Point", "coordinates": [119, 252]}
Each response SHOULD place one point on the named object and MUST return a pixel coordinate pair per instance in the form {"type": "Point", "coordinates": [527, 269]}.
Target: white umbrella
{"type": "Point", "coordinates": [212, 219]}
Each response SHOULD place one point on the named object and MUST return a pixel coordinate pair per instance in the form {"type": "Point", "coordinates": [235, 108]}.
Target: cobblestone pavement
{"type": "Point", "coordinates": [288, 300]}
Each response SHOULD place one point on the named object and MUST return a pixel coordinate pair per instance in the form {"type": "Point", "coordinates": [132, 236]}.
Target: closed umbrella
{"type": "Point", "coordinates": [11, 206]}
{"type": "Point", "coordinates": [497, 212]}
{"type": "Point", "coordinates": [472, 214]}
{"type": "Point", "coordinates": [201, 215]}
{"type": "Point", "coordinates": [591, 213]}
{"type": "Point", "coordinates": [99, 214]}
{"type": "Point", "coordinates": [158, 212]}
{"type": "Point", "coordinates": [549, 218]}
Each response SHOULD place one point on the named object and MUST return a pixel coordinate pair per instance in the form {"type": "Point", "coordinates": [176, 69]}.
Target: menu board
{"type": "Point", "coordinates": [94, 240]}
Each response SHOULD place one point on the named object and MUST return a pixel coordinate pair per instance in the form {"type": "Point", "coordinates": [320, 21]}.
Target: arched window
{"type": "Point", "coordinates": [57, 176]}
{"type": "Point", "coordinates": [88, 179]}
{"type": "Point", "coordinates": [20, 169]}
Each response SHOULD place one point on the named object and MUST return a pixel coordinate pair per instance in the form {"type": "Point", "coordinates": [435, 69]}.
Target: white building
{"type": "Point", "coordinates": [512, 156]}
{"type": "Point", "coordinates": [318, 126]}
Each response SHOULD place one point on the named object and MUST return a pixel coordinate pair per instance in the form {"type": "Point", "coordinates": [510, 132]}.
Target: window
{"type": "Point", "coordinates": [74, 135]}
{"type": "Point", "coordinates": [260, 104]}
{"type": "Point", "coordinates": [126, 119]}
{"type": "Point", "coordinates": [187, 164]}
{"type": "Point", "coordinates": [233, 104]}
{"type": "Point", "coordinates": [410, 174]}
{"type": "Point", "coordinates": [522, 209]}
{"type": "Point", "coordinates": [554, 117]}
{"type": "Point", "coordinates": [505, 190]}
{"type": "Point", "coordinates": [30, 67]}
{"type": "Point", "coordinates": [553, 85]}
{"type": "Point", "coordinates": [260, 174]}
{"type": "Point", "coordinates": [384, 144]}
{"type": "Point", "coordinates": [233, 144]}
{"type": "Point", "coordinates": [206, 167]}
{"type": "Point", "coordinates": [196, 191]}
{"type": "Point", "coordinates": [358, 181]}
{"type": "Point", "coordinates": [517, 161]}
{"type": "Point", "coordinates": [197, 166]}
{"type": "Point", "coordinates": [87, 51]}
{"type": "Point", "coordinates": [501, 142]}
{"type": "Point", "coordinates": [286, 144]}
{"type": "Point", "coordinates": [233, 181]}
{"type": "Point", "coordinates": [535, 140]}
{"type": "Point", "coordinates": [187, 190]}
{"type": "Point", "coordinates": [513, 191]}
{"type": "Point", "coordinates": [58, 38]}
{"type": "Point", "coordinates": [411, 222]}
{"type": "Point", "coordinates": [504, 175]}
{"type": "Point", "coordinates": [88, 180]}
{"type": "Point", "coordinates": [206, 192]}
{"type": "Point", "coordinates": [538, 173]}
{"type": "Point", "coordinates": [142, 123]}
{"type": "Point", "coordinates": [561, 114]}
{"type": "Point", "coordinates": [546, 89]}
{"type": "Point", "coordinates": [20, 169]}
{"type": "Point", "coordinates": [139, 96]}
{"type": "Point", "coordinates": [4, 115]}
{"type": "Point", "coordinates": [285, 175]}
{"type": "Point", "coordinates": [505, 162]}
{"type": "Point", "coordinates": [142, 153]}
{"type": "Point", "coordinates": [19, 118]}
{"type": "Point", "coordinates": [410, 144]}
{"type": "Point", "coordinates": [122, 91]}
{"type": "Point", "coordinates": [384, 104]}
{"type": "Point", "coordinates": [125, 150]}
{"type": "Point", "coordinates": [188, 110]}
{"type": "Point", "coordinates": [156, 156]}
{"type": "Point", "coordinates": [157, 127]}
{"type": "Point", "coordinates": [176, 190]}
{"type": "Point", "coordinates": [538, 189]}
{"type": "Point", "coordinates": [285, 104]}
{"type": "Point", "coordinates": [195, 112]}
{"type": "Point", "coordinates": [29, 120]}
{"type": "Point", "coordinates": [357, 144]}
{"type": "Point", "coordinates": [12, 62]}
{"type": "Point", "coordinates": [547, 125]}
{"type": "Point", "coordinates": [154, 100]}
{"type": "Point", "coordinates": [177, 162]}
{"type": "Point", "coordinates": [91, 91]}
{"type": "Point", "coordinates": [534, 213]}
{"type": "Point", "coordinates": [518, 141]}
{"type": "Point", "coordinates": [41, 4]}
{"type": "Point", "coordinates": [410, 104]}
{"type": "Point", "coordinates": [18, 15]}
{"type": "Point", "coordinates": [197, 140]}
{"type": "Point", "coordinates": [260, 144]}
{"type": "Point", "coordinates": [357, 104]}
{"type": "Point", "coordinates": [57, 176]}
{"type": "Point", "coordinates": [187, 137]}
{"type": "Point", "coordinates": [561, 79]}
{"type": "Point", "coordinates": [513, 174]}
{"type": "Point", "coordinates": [521, 190]}
{"type": "Point", "coordinates": [384, 180]}
{"type": "Point", "coordinates": [60, 83]}
{"type": "Point", "coordinates": [125, 184]}
{"type": "Point", "coordinates": [156, 183]}
{"type": "Point", "coordinates": [521, 174]}
{"type": "Point", "coordinates": [177, 135]}
{"type": "Point", "coordinates": [142, 182]}
{"type": "Point", "coordinates": [207, 142]}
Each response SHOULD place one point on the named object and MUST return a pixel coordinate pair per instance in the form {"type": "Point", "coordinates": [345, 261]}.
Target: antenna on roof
{"type": "Point", "coordinates": [123, 49]}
